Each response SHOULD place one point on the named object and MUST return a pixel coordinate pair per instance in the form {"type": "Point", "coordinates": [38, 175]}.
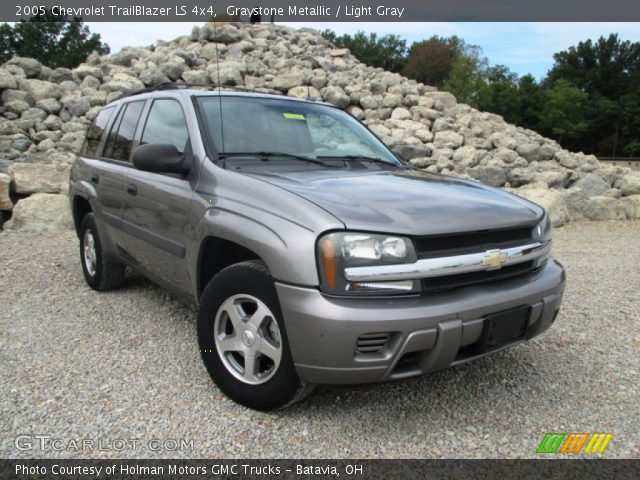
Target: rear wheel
{"type": "Point", "coordinates": [99, 272]}
{"type": "Point", "coordinates": [243, 341]}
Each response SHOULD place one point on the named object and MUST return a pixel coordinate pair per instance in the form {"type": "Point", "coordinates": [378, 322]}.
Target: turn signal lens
{"type": "Point", "coordinates": [328, 258]}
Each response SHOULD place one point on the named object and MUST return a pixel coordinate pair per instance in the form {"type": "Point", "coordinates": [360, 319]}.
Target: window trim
{"type": "Point", "coordinates": [123, 108]}
{"type": "Point", "coordinates": [148, 114]}
{"type": "Point", "coordinates": [102, 139]}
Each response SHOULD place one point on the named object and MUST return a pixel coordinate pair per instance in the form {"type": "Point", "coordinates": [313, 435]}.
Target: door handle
{"type": "Point", "coordinates": [95, 179]}
{"type": "Point", "coordinates": [132, 189]}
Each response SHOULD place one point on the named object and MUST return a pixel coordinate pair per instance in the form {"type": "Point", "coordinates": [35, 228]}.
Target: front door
{"type": "Point", "coordinates": [156, 211]}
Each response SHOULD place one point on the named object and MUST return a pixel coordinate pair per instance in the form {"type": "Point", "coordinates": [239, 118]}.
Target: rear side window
{"type": "Point", "coordinates": [166, 125]}
{"type": "Point", "coordinates": [120, 141]}
{"type": "Point", "coordinates": [91, 143]}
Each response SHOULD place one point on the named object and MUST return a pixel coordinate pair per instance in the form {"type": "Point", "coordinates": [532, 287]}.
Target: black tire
{"type": "Point", "coordinates": [106, 274]}
{"type": "Point", "coordinates": [283, 388]}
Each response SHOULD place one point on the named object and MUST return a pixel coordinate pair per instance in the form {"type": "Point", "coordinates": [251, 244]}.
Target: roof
{"type": "Point", "coordinates": [187, 89]}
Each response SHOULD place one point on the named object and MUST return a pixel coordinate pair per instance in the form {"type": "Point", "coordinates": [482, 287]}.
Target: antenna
{"type": "Point", "coordinates": [215, 35]}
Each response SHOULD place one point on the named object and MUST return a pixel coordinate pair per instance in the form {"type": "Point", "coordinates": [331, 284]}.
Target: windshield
{"type": "Point", "coordinates": [290, 129]}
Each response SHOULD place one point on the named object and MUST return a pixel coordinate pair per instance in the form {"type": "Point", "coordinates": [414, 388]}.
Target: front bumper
{"type": "Point", "coordinates": [426, 333]}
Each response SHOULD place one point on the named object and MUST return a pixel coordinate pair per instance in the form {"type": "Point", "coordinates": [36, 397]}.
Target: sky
{"type": "Point", "coordinates": [523, 47]}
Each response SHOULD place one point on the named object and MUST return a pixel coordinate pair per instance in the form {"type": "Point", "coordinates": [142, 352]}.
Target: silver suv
{"type": "Point", "coordinates": [316, 255]}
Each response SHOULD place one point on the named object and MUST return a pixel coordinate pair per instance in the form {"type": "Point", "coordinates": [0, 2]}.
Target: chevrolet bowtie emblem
{"type": "Point", "coordinates": [494, 259]}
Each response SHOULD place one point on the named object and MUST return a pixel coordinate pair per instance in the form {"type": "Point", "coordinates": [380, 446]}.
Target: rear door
{"type": "Point", "coordinates": [111, 175]}
{"type": "Point", "coordinates": [157, 205]}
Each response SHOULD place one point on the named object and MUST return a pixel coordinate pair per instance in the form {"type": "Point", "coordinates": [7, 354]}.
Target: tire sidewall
{"type": "Point", "coordinates": [249, 280]}
{"type": "Point", "coordinates": [89, 223]}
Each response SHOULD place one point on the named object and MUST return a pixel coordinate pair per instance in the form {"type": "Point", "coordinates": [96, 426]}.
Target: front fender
{"type": "Point", "coordinates": [287, 249]}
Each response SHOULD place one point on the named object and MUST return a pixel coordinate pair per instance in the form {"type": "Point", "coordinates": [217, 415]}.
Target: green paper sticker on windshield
{"type": "Point", "coordinates": [293, 116]}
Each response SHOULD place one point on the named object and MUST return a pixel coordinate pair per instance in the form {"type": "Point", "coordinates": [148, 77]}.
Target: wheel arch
{"type": "Point", "coordinates": [81, 207]}
{"type": "Point", "coordinates": [216, 254]}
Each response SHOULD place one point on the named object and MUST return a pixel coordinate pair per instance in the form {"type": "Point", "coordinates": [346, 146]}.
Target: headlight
{"type": "Point", "coordinates": [542, 231]}
{"type": "Point", "coordinates": [340, 250]}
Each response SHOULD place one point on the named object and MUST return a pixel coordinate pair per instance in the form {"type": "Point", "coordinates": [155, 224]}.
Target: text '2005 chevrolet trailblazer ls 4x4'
{"type": "Point", "coordinates": [314, 254]}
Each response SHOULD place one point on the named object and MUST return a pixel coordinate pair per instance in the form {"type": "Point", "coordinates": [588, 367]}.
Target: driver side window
{"type": "Point", "coordinates": [166, 124]}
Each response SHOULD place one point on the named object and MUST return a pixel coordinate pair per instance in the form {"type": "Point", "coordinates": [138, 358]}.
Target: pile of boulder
{"type": "Point", "coordinates": [45, 113]}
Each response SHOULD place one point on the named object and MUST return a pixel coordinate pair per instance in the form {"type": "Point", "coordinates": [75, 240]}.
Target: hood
{"type": "Point", "coordinates": [410, 202]}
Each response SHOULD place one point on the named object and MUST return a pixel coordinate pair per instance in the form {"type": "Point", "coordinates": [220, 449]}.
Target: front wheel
{"type": "Point", "coordinates": [243, 341]}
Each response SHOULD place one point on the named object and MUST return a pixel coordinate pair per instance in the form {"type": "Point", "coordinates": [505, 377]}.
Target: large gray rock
{"type": "Point", "coordinates": [40, 213]}
{"type": "Point", "coordinates": [5, 186]}
{"type": "Point", "coordinates": [195, 76]}
{"type": "Point", "coordinates": [400, 113]}
{"type": "Point", "coordinates": [629, 184]}
{"type": "Point", "coordinates": [7, 80]}
{"type": "Point", "coordinates": [60, 75]}
{"type": "Point", "coordinates": [578, 204]}
{"type": "Point", "coordinates": [336, 96]}
{"type": "Point", "coordinates": [631, 206]}
{"type": "Point", "coordinates": [592, 185]}
{"type": "Point", "coordinates": [489, 175]}
{"type": "Point", "coordinates": [530, 151]}
{"type": "Point", "coordinates": [122, 82]}
{"type": "Point", "coordinates": [13, 95]}
{"type": "Point", "coordinates": [49, 105]}
{"type": "Point", "coordinates": [155, 76]}
{"type": "Point", "coordinates": [85, 70]}
{"type": "Point", "coordinates": [466, 157]}
{"type": "Point", "coordinates": [288, 80]}
{"type": "Point", "coordinates": [77, 106]}
{"type": "Point", "coordinates": [306, 92]}
{"type": "Point", "coordinates": [40, 89]}
{"type": "Point", "coordinates": [448, 139]}
{"type": "Point", "coordinates": [29, 178]}
{"type": "Point", "coordinates": [441, 100]}
{"type": "Point", "coordinates": [228, 73]}
{"type": "Point", "coordinates": [30, 66]}
{"type": "Point", "coordinates": [520, 176]}
{"type": "Point", "coordinates": [172, 69]}
{"type": "Point", "coordinates": [227, 34]}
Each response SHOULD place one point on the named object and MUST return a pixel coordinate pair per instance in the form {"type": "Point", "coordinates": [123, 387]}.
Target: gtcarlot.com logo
{"type": "Point", "coordinates": [574, 443]}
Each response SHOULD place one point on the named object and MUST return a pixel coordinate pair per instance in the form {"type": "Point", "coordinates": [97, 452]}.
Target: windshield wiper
{"type": "Point", "coordinates": [268, 155]}
{"type": "Point", "coordinates": [363, 158]}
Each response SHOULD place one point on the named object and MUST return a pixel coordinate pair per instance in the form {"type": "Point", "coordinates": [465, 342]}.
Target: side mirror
{"type": "Point", "coordinates": [160, 158]}
{"type": "Point", "coordinates": [399, 156]}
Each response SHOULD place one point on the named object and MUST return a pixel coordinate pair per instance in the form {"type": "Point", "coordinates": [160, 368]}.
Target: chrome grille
{"type": "Point", "coordinates": [447, 282]}
{"type": "Point", "coordinates": [469, 242]}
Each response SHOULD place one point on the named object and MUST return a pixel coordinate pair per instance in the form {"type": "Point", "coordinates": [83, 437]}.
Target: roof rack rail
{"type": "Point", "coordinates": [178, 86]}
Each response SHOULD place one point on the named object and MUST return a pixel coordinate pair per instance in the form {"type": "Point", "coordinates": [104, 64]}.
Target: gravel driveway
{"type": "Point", "coordinates": [124, 365]}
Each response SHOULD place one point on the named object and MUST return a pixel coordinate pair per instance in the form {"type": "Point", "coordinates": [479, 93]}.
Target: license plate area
{"type": "Point", "coordinates": [504, 327]}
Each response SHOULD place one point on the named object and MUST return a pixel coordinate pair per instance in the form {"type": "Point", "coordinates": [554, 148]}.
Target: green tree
{"type": "Point", "coordinates": [501, 94]}
{"type": "Point", "coordinates": [468, 77]}
{"type": "Point", "coordinates": [388, 52]}
{"type": "Point", "coordinates": [563, 112]}
{"type": "Point", "coordinates": [430, 61]}
{"type": "Point", "coordinates": [451, 64]}
{"type": "Point", "coordinates": [54, 40]}
{"type": "Point", "coordinates": [531, 99]}
{"type": "Point", "coordinates": [608, 70]}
